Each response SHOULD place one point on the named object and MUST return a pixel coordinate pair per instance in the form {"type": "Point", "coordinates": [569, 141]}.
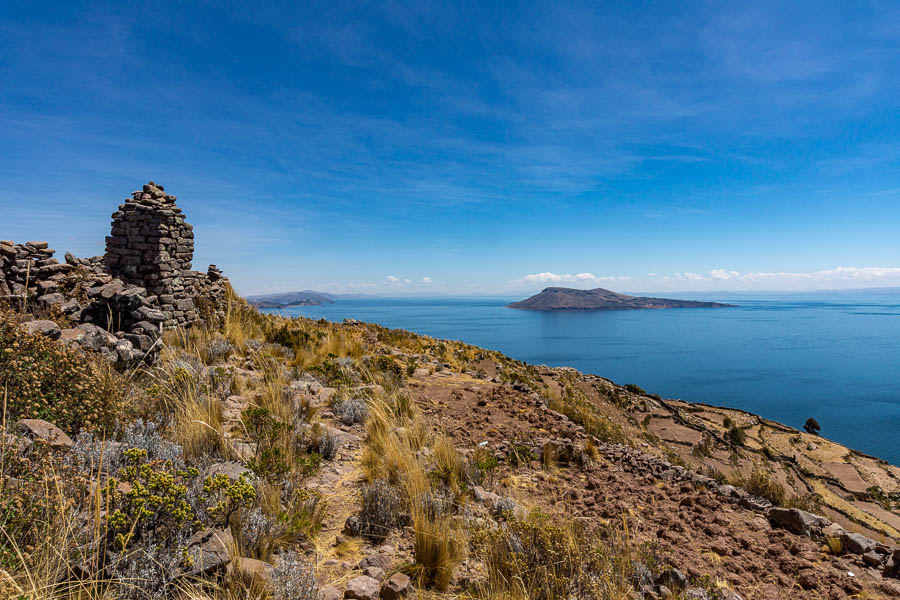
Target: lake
{"type": "Point", "coordinates": [834, 356]}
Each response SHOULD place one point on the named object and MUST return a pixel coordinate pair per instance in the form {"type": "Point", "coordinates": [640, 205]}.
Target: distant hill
{"type": "Point", "coordinates": [557, 298]}
{"type": "Point", "coordinates": [285, 299]}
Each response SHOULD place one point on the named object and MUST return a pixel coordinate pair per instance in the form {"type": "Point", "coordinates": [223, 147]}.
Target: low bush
{"type": "Point", "coordinates": [152, 501]}
{"type": "Point", "coordinates": [322, 441]}
{"type": "Point", "coordinates": [350, 411]}
{"type": "Point", "coordinates": [635, 389]}
{"type": "Point", "coordinates": [382, 510]}
{"type": "Point", "coordinates": [294, 579]}
{"type": "Point", "coordinates": [760, 484]}
{"type": "Point", "coordinates": [42, 379]}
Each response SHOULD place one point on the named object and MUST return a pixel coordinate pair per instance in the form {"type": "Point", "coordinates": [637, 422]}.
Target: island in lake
{"type": "Point", "coordinates": [558, 298]}
{"type": "Point", "coordinates": [286, 299]}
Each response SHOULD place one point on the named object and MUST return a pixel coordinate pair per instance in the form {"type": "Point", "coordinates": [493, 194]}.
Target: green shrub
{"type": "Point", "coordinates": [227, 495]}
{"type": "Point", "coordinates": [153, 499]}
{"type": "Point", "coordinates": [759, 483]}
{"type": "Point", "coordinates": [635, 389]}
{"type": "Point", "coordinates": [41, 379]}
{"type": "Point", "coordinates": [736, 436]}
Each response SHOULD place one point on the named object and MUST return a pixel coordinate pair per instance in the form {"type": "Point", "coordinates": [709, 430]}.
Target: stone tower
{"type": "Point", "coordinates": [151, 245]}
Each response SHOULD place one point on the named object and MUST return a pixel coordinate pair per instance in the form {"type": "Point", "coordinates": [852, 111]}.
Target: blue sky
{"type": "Point", "coordinates": [480, 148]}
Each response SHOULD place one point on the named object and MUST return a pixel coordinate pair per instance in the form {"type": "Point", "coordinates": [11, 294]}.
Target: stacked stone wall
{"type": "Point", "coordinates": [125, 299]}
{"type": "Point", "coordinates": [151, 245]}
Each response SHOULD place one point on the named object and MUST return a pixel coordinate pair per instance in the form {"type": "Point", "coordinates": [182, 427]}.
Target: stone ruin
{"type": "Point", "coordinates": [119, 303]}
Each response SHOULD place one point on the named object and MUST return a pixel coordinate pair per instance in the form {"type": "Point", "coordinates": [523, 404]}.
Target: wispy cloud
{"type": "Point", "coordinates": [836, 278]}
{"type": "Point", "coordinates": [578, 278]}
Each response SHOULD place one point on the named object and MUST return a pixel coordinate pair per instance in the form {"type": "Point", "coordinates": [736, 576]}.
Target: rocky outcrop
{"type": "Point", "coordinates": [141, 286]}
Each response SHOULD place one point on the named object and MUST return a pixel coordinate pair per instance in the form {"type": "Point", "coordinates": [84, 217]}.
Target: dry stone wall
{"type": "Point", "coordinates": [151, 245]}
{"type": "Point", "coordinates": [125, 299]}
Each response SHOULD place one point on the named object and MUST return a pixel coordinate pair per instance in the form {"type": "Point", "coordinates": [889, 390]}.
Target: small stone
{"type": "Point", "coordinates": [397, 586]}
{"type": "Point", "coordinates": [251, 570]}
{"type": "Point", "coordinates": [45, 328]}
{"type": "Point", "coordinates": [362, 588]}
{"type": "Point", "coordinates": [382, 561]}
{"type": "Point", "coordinates": [48, 432]}
{"type": "Point", "coordinates": [329, 592]}
{"type": "Point", "coordinates": [374, 572]}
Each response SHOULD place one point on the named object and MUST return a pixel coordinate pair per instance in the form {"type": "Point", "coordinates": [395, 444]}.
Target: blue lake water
{"type": "Point", "coordinates": [829, 355]}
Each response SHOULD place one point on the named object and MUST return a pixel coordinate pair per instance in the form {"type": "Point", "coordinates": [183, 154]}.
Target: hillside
{"type": "Point", "coordinates": [183, 445]}
{"type": "Point", "coordinates": [557, 298]}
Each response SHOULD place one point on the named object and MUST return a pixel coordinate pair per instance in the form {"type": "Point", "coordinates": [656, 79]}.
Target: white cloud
{"type": "Point", "coordinates": [651, 274]}
{"type": "Point", "coordinates": [548, 277]}
{"type": "Point", "coordinates": [836, 278]}
{"type": "Point", "coordinates": [393, 279]}
{"type": "Point", "coordinates": [426, 280]}
{"type": "Point", "coordinates": [407, 281]}
{"type": "Point", "coordinates": [837, 274]}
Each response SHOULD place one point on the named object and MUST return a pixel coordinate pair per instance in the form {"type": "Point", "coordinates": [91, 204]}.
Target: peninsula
{"type": "Point", "coordinates": [558, 298]}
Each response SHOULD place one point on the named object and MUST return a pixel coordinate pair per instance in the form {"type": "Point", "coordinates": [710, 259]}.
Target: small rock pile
{"type": "Point", "coordinates": [121, 302]}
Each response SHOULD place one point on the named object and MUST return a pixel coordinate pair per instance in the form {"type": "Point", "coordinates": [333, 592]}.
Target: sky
{"type": "Point", "coordinates": [467, 148]}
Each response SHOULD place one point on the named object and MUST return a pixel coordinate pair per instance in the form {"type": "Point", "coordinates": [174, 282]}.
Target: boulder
{"type": "Point", "coordinates": [362, 588]}
{"type": "Point", "coordinates": [797, 521]}
{"type": "Point", "coordinates": [857, 543]}
{"type": "Point", "coordinates": [210, 550]}
{"type": "Point", "coordinates": [251, 571]}
{"type": "Point", "coordinates": [42, 430]}
{"type": "Point", "coordinates": [45, 328]}
{"type": "Point", "coordinates": [873, 559]}
{"type": "Point", "coordinates": [396, 587]}
{"type": "Point", "coordinates": [231, 469]}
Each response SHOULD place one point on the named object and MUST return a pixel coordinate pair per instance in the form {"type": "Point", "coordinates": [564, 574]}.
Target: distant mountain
{"type": "Point", "coordinates": [557, 298]}
{"type": "Point", "coordinates": [285, 299]}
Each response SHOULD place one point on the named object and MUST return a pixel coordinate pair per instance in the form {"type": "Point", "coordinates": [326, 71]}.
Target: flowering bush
{"type": "Point", "coordinates": [45, 380]}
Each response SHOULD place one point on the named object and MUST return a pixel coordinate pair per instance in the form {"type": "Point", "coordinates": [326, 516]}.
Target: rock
{"type": "Point", "coordinates": [833, 531]}
{"type": "Point", "coordinates": [362, 588]}
{"type": "Point", "coordinates": [145, 313]}
{"type": "Point", "coordinates": [48, 301]}
{"type": "Point", "coordinates": [231, 469]}
{"type": "Point", "coordinates": [696, 594]}
{"type": "Point", "coordinates": [48, 432]}
{"type": "Point", "coordinates": [672, 578]}
{"type": "Point", "coordinates": [250, 571]}
{"type": "Point", "coordinates": [329, 592]}
{"type": "Point", "coordinates": [397, 586]}
{"type": "Point", "coordinates": [210, 550]}
{"type": "Point", "coordinates": [381, 560]}
{"type": "Point", "coordinates": [374, 572]}
{"type": "Point", "coordinates": [857, 543]}
{"type": "Point", "coordinates": [873, 559]}
{"type": "Point", "coordinates": [797, 521]}
{"type": "Point", "coordinates": [45, 328]}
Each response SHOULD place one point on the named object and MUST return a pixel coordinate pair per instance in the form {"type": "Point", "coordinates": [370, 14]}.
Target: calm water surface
{"type": "Point", "coordinates": [832, 356]}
